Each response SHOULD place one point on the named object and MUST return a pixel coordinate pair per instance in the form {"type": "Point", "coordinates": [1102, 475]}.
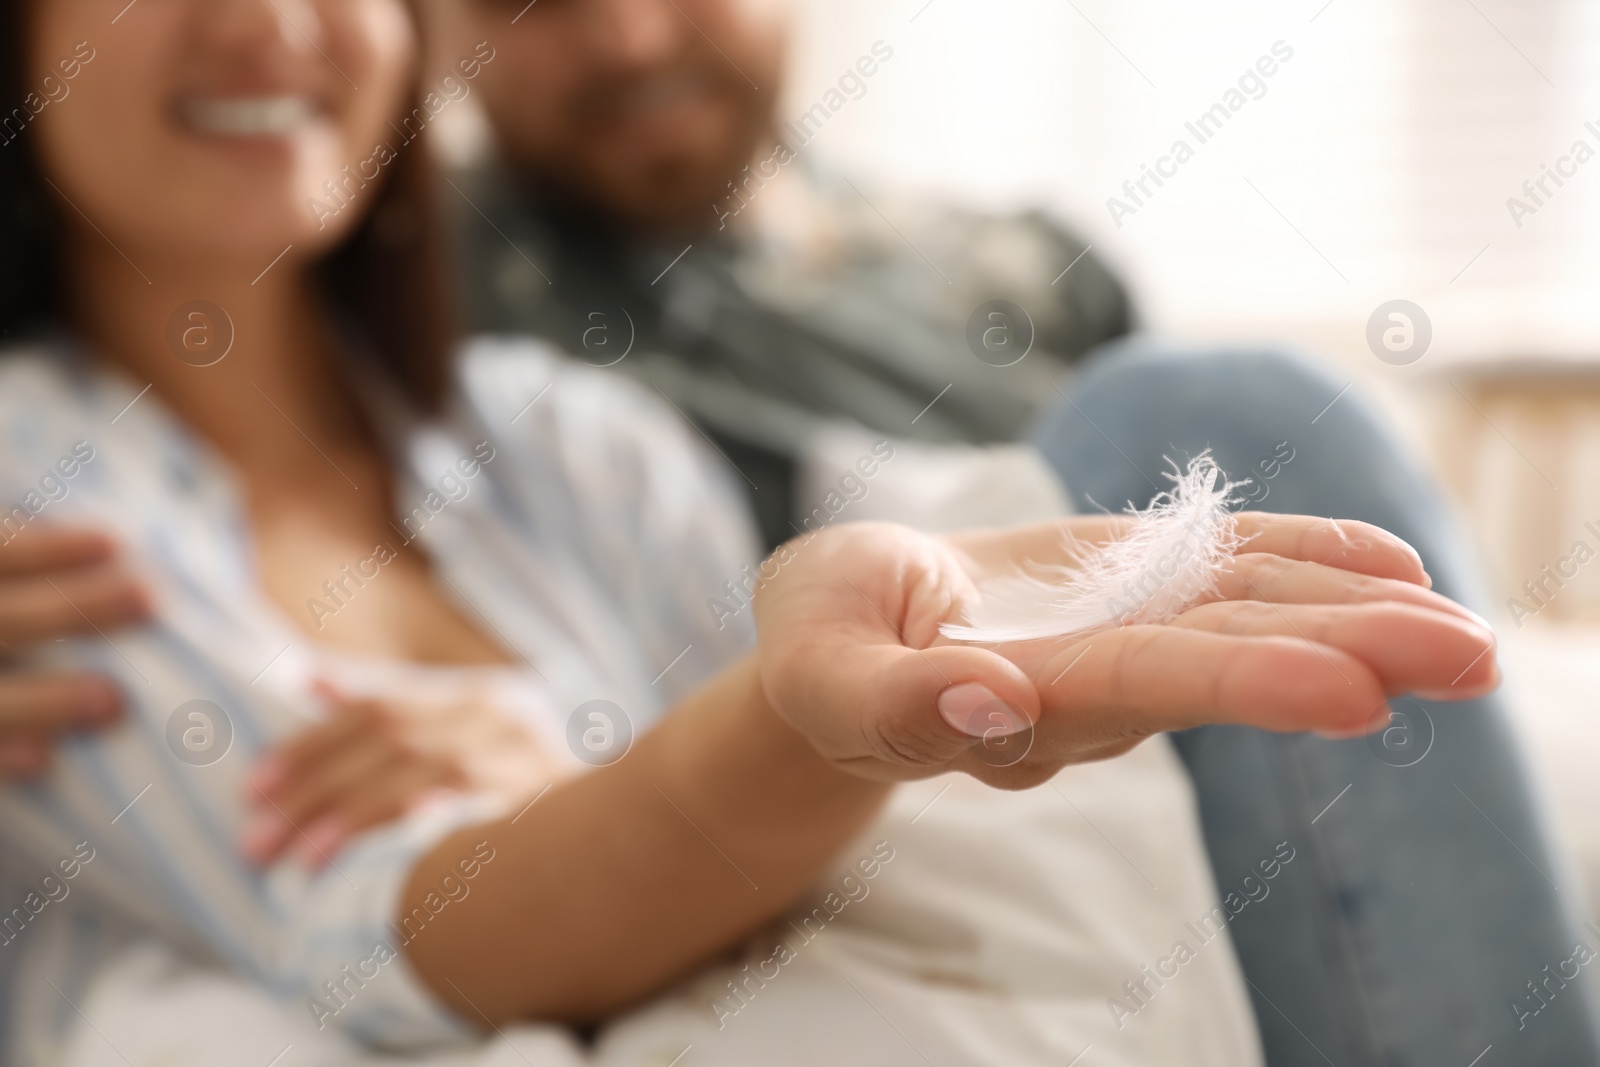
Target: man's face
{"type": "Point", "coordinates": [644, 108]}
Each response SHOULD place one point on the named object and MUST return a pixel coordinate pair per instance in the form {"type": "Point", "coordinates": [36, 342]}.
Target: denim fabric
{"type": "Point", "coordinates": [1424, 897]}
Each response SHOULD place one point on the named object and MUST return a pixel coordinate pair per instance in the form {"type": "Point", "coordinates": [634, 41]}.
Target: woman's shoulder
{"type": "Point", "coordinates": [506, 377]}
{"type": "Point", "coordinates": [45, 398]}
{"type": "Point", "coordinates": [591, 421]}
{"type": "Point", "coordinates": [33, 371]}
{"type": "Point", "coordinates": [600, 441]}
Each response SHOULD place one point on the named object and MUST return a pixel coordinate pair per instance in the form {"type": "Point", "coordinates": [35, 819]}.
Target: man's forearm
{"type": "Point", "coordinates": [620, 880]}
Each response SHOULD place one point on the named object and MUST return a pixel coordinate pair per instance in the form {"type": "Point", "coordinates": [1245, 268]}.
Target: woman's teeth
{"type": "Point", "coordinates": [248, 116]}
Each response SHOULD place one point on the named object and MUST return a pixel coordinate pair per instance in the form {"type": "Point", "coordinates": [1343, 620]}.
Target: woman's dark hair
{"type": "Point", "coordinates": [386, 281]}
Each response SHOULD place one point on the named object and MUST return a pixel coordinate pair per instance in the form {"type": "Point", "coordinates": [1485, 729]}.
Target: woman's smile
{"type": "Point", "coordinates": [256, 116]}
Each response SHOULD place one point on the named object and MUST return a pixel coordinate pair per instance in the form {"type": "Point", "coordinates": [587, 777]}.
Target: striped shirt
{"type": "Point", "coordinates": [590, 542]}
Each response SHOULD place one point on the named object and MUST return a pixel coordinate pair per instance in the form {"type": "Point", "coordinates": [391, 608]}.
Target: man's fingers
{"type": "Point", "coordinates": [49, 548]}
{"type": "Point", "coordinates": [1410, 649]}
{"type": "Point", "coordinates": [46, 703]}
{"type": "Point", "coordinates": [23, 756]}
{"type": "Point", "coordinates": [1141, 680]}
{"type": "Point", "coordinates": [66, 603]}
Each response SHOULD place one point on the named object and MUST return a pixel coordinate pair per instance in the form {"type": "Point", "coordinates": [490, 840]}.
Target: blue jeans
{"type": "Point", "coordinates": [1424, 897]}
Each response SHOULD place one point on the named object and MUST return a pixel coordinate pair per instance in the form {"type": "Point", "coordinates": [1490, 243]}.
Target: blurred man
{"type": "Point", "coordinates": [652, 200]}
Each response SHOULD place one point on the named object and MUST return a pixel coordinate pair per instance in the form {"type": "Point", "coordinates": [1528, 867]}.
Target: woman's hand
{"type": "Point", "coordinates": [373, 761]}
{"type": "Point", "coordinates": [57, 582]}
{"type": "Point", "coordinates": [1315, 625]}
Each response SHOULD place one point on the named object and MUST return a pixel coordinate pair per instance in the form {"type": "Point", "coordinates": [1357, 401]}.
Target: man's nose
{"type": "Point", "coordinates": [635, 33]}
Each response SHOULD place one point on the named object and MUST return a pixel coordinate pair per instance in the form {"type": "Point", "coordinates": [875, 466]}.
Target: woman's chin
{"type": "Point", "coordinates": [245, 239]}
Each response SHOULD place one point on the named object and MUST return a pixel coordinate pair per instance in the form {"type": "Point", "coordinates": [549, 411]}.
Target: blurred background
{"type": "Point", "coordinates": [1379, 164]}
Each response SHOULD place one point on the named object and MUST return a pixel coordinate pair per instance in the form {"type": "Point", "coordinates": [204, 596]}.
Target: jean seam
{"type": "Point", "coordinates": [1349, 959]}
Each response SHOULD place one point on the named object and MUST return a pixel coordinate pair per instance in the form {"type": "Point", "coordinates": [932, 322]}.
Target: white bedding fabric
{"type": "Point", "coordinates": [994, 935]}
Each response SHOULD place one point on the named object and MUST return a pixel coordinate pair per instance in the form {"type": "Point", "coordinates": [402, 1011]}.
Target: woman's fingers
{"type": "Point", "coordinates": [24, 755]}
{"type": "Point", "coordinates": [891, 712]}
{"type": "Point", "coordinates": [349, 719]}
{"type": "Point", "coordinates": [390, 795]}
{"type": "Point", "coordinates": [1280, 580]}
{"type": "Point", "coordinates": [1279, 666]}
{"type": "Point", "coordinates": [345, 770]}
{"type": "Point", "coordinates": [1409, 648]}
{"type": "Point", "coordinates": [1141, 680]}
{"type": "Point", "coordinates": [309, 798]}
{"type": "Point", "coordinates": [375, 760]}
{"type": "Point", "coordinates": [1342, 543]}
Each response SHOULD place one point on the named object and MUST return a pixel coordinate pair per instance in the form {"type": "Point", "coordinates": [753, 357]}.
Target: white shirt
{"type": "Point", "coordinates": [590, 543]}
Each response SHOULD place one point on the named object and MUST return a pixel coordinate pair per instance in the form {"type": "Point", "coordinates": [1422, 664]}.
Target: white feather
{"type": "Point", "coordinates": [1167, 562]}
